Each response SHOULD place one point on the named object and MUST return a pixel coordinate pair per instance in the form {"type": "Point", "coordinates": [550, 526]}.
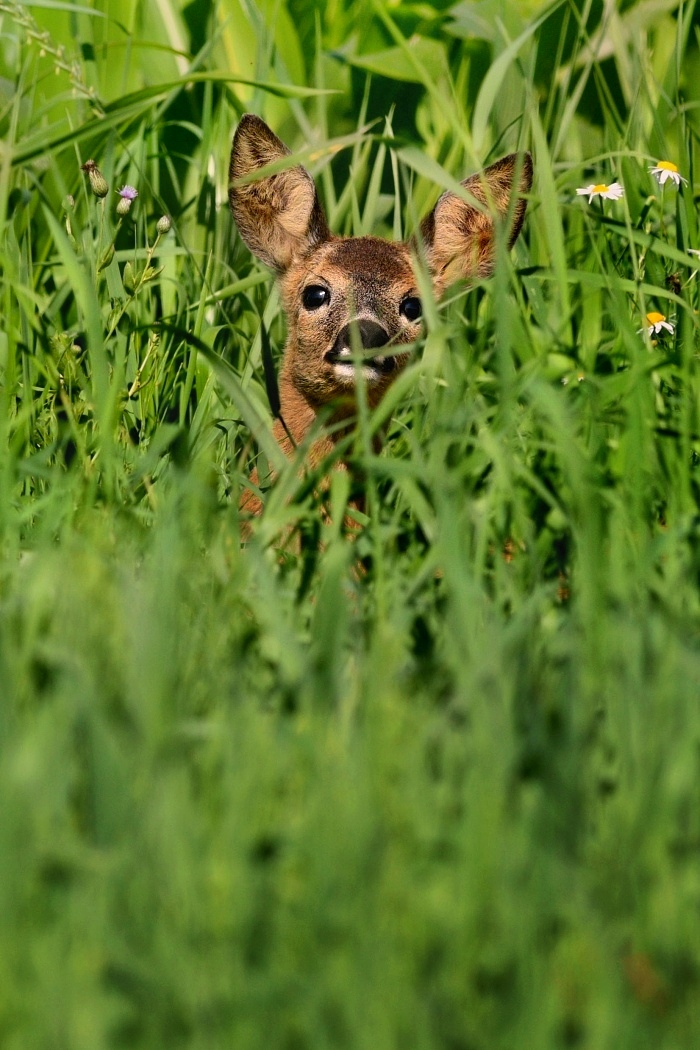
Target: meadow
{"type": "Point", "coordinates": [432, 786]}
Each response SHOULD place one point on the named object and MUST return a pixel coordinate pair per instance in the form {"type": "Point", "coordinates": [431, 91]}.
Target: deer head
{"type": "Point", "coordinates": [344, 293]}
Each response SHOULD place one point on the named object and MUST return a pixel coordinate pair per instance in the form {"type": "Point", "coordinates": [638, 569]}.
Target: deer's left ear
{"type": "Point", "coordinates": [459, 238]}
{"type": "Point", "coordinates": [280, 217]}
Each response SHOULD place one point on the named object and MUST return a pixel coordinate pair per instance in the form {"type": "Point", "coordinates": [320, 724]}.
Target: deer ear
{"type": "Point", "coordinates": [459, 238]}
{"type": "Point", "coordinates": [279, 217]}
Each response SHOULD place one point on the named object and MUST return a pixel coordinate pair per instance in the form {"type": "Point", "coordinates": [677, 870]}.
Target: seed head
{"type": "Point", "coordinates": [98, 182]}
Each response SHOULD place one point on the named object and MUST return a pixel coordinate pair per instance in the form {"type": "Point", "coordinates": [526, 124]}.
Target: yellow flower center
{"type": "Point", "coordinates": [600, 188]}
{"type": "Point", "coordinates": [667, 165]}
{"type": "Point", "coordinates": [654, 318]}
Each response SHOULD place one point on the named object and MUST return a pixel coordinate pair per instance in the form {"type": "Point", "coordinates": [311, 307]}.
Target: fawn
{"type": "Point", "coordinates": [344, 293]}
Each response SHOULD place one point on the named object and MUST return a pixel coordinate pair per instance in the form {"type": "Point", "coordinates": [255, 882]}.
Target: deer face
{"type": "Point", "coordinates": [351, 297]}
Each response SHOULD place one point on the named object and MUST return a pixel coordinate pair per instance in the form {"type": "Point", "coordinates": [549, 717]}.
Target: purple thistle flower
{"type": "Point", "coordinates": [128, 193]}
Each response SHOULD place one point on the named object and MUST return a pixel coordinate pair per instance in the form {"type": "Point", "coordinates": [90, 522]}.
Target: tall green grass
{"type": "Point", "coordinates": [434, 786]}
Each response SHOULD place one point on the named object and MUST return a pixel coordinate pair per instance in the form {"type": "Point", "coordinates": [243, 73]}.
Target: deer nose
{"type": "Point", "coordinates": [369, 333]}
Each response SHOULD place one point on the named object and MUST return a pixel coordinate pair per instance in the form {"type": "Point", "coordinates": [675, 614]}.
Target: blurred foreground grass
{"type": "Point", "coordinates": [250, 795]}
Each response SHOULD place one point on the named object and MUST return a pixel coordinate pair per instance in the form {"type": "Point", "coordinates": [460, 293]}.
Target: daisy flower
{"type": "Point", "coordinates": [656, 323]}
{"type": "Point", "coordinates": [613, 192]}
{"type": "Point", "coordinates": [665, 170]}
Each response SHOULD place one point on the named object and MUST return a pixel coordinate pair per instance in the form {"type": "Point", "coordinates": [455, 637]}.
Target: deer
{"type": "Point", "coordinates": [345, 295]}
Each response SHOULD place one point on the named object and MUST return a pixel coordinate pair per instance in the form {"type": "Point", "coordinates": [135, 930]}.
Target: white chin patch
{"type": "Point", "coordinates": [346, 373]}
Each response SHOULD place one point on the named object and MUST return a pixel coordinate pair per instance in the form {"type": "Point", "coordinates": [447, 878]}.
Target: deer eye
{"type": "Point", "coordinates": [314, 295]}
{"type": "Point", "coordinates": [411, 308]}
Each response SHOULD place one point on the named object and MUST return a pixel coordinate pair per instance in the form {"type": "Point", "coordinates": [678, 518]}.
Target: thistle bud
{"type": "Point", "coordinates": [98, 182]}
{"type": "Point", "coordinates": [163, 224]}
{"type": "Point", "coordinates": [69, 202]}
{"type": "Point", "coordinates": [127, 195]}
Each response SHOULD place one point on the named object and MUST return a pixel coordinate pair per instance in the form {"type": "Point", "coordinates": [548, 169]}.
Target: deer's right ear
{"type": "Point", "coordinates": [459, 238]}
{"type": "Point", "coordinates": [279, 217]}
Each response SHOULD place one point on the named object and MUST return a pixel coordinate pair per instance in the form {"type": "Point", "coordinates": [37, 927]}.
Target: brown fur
{"type": "Point", "coordinates": [368, 280]}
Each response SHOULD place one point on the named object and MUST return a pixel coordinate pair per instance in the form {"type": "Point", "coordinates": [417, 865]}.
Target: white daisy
{"type": "Point", "coordinates": [656, 323]}
{"type": "Point", "coordinates": [665, 170]}
{"type": "Point", "coordinates": [613, 192]}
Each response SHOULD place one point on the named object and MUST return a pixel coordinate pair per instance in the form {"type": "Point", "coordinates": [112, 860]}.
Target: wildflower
{"type": "Point", "coordinates": [127, 195]}
{"type": "Point", "coordinates": [98, 182]}
{"type": "Point", "coordinates": [694, 251]}
{"type": "Point", "coordinates": [656, 322]}
{"type": "Point", "coordinates": [163, 224]}
{"type": "Point", "coordinates": [665, 170]}
{"type": "Point", "coordinates": [613, 192]}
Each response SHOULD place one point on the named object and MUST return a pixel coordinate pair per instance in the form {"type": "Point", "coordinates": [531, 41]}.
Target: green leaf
{"type": "Point", "coordinates": [396, 62]}
{"type": "Point", "coordinates": [493, 82]}
{"type": "Point", "coordinates": [75, 9]}
{"type": "Point", "coordinates": [133, 105]}
{"type": "Point", "coordinates": [420, 162]}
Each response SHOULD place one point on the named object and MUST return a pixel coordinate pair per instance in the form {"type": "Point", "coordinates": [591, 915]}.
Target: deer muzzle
{"type": "Point", "coordinates": [363, 334]}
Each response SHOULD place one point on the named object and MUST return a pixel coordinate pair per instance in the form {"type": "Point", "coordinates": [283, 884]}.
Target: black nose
{"type": "Point", "coordinates": [369, 334]}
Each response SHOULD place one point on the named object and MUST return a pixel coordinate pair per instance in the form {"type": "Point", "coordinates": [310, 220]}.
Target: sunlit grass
{"type": "Point", "coordinates": [435, 785]}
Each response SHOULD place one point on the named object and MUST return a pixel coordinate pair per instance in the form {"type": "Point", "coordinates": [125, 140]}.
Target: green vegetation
{"type": "Point", "coordinates": [436, 787]}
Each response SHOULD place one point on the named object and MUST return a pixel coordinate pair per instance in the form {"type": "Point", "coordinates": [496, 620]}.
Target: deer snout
{"type": "Point", "coordinates": [370, 336]}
